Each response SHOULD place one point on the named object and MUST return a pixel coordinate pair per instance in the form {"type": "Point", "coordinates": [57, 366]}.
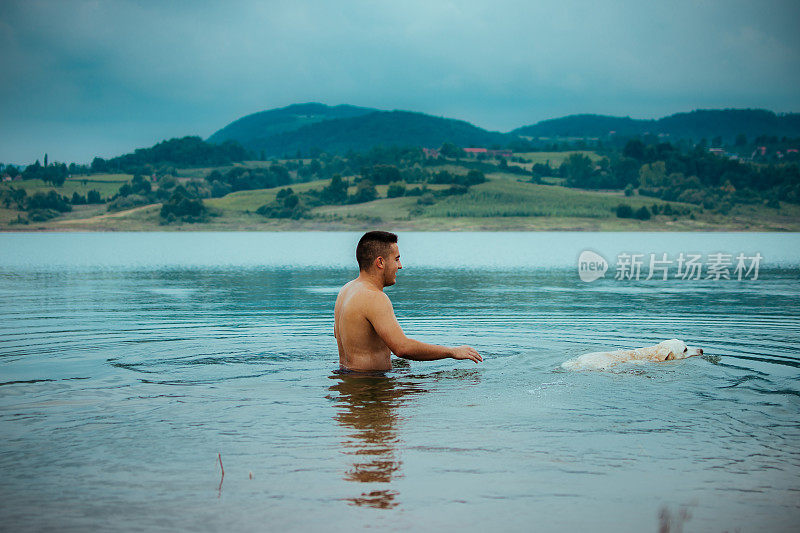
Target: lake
{"type": "Point", "coordinates": [131, 363]}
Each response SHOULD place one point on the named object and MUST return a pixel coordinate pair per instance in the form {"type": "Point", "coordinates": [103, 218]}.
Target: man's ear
{"type": "Point", "coordinates": [380, 262]}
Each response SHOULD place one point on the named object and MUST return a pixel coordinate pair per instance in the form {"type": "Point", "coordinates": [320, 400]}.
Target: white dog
{"type": "Point", "coordinates": [663, 351]}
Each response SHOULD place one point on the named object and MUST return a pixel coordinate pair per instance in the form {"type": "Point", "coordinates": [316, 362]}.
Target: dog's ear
{"type": "Point", "coordinates": [662, 351]}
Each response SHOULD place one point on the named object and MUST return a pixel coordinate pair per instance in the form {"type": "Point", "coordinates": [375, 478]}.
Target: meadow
{"type": "Point", "coordinates": [506, 201]}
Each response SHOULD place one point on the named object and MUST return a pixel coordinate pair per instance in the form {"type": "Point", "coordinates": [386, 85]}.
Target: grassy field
{"type": "Point", "coordinates": [554, 159]}
{"type": "Point", "coordinates": [243, 201]}
{"type": "Point", "coordinates": [505, 202]}
{"type": "Point", "coordinates": [106, 184]}
{"type": "Point", "coordinates": [507, 198]}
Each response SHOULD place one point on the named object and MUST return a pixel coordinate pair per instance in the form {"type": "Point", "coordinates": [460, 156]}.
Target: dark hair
{"type": "Point", "coordinates": [372, 245]}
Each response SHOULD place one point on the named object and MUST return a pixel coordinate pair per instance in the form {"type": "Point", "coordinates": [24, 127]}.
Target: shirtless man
{"type": "Point", "coordinates": [365, 327]}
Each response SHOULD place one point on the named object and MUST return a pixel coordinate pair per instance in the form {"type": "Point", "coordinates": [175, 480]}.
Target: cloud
{"type": "Point", "coordinates": [86, 78]}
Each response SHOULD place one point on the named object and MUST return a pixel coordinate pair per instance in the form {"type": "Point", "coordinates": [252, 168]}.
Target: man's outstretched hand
{"type": "Point", "coordinates": [467, 352]}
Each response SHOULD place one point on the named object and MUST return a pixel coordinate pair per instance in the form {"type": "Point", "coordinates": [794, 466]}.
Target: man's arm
{"type": "Point", "coordinates": [380, 313]}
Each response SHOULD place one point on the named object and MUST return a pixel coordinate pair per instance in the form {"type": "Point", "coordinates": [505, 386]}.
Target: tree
{"type": "Point", "coordinates": [540, 170]}
{"type": "Point", "coordinates": [49, 200]}
{"type": "Point", "coordinates": [578, 169]}
{"type": "Point", "coordinates": [451, 150]}
{"type": "Point", "coordinates": [93, 197]}
{"type": "Point", "coordinates": [365, 192]}
{"type": "Point", "coordinates": [625, 171]}
{"type": "Point", "coordinates": [287, 204]}
{"type": "Point", "coordinates": [634, 149]}
{"type": "Point", "coordinates": [474, 177]}
{"type": "Point", "coordinates": [653, 175]}
{"type": "Point", "coordinates": [382, 174]}
{"type": "Point", "coordinates": [336, 192]}
{"type": "Point", "coordinates": [99, 165]}
{"type": "Point", "coordinates": [180, 207]}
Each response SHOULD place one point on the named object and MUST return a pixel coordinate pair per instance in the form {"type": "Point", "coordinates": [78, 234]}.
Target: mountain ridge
{"type": "Point", "coordinates": [338, 129]}
{"type": "Point", "coordinates": [694, 125]}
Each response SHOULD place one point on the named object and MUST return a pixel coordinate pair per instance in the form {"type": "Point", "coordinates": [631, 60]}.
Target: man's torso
{"type": "Point", "coordinates": [360, 347]}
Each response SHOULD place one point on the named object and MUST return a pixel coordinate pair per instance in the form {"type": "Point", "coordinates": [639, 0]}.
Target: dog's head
{"type": "Point", "coordinates": [675, 349]}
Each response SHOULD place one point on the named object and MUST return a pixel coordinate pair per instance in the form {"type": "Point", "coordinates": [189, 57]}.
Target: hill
{"type": "Point", "coordinates": [585, 126]}
{"type": "Point", "coordinates": [386, 128]}
{"type": "Point", "coordinates": [696, 125]}
{"type": "Point", "coordinates": [251, 131]}
{"type": "Point", "coordinates": [186, 151]}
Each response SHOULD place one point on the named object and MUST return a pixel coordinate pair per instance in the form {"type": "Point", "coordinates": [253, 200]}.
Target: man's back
{"type": "Point", "coordinates": [366, 330]}
{"type": "Point", "coordinates": [360, 347]}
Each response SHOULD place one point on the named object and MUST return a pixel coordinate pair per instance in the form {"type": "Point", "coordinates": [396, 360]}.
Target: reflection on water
{"type": "Point", "coordinates": [368, 405]}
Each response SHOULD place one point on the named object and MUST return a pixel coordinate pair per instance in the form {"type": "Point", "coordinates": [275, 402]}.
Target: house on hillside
{"type": "Point", "coordinates": [430, 153]}
{"type": "Point", "coordinates": [490, 153]}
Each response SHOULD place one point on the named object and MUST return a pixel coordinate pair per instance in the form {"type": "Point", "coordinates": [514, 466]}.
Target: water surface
{"type": "Point", "coordinates": [128, 362]}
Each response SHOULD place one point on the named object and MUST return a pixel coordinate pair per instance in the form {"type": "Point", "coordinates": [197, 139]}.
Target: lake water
{"type": "Point", "coordinates": [128, 362]}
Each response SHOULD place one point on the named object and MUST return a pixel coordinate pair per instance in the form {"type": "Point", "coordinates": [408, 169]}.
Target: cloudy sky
{"type": "Point", "coordinates": [86, 78]}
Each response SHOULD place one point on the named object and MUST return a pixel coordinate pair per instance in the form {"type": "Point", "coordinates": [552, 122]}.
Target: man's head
{"type": "Point", "coordinates": [377, 251]}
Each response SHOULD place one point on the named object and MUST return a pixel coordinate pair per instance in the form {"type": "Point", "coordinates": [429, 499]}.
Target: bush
{"type": "Point", "coordinates": [396, 190]}
{"type": "Point", "coordinates": [454, 190]}
{"type": "Point", "coordinates": [365, 192]}
{"type": "Point", "coordinates": [219, 189]}
{"type": "Point", "coordinates": [127, 202]}
{"type": "Point", "coordinates": [426, 199]}
{"type": "Point", "coordinates": [629, 190]}
{"type": "Point", "coordinates": [41, 215]}
{"type": "Point", "coordinates": [474, 177]}
{"type": "Point", "coordinates": [49, 200]}
{"type": "Point", "coordinates": [540, 170]}
{"type": "Point", "coordinates": [93, 197]}
{"type": "Point", "coordinates": [287, 204]}
{"type": "Point", "coordinates": [624, 211]}
{"type": "Point", "coordinates": [642, 213]}
{"type": "Point", "coordinates": [183, 208]}
{"type": "Point", "coordinates": [13, 197]}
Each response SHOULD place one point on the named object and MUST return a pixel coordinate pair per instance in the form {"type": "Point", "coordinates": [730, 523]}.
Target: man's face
{"type": "Point", "coordinates": [391, 265]}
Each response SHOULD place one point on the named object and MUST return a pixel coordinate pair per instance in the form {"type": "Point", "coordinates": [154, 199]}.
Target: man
{"type": "Point", "coordinates": [365, 327]}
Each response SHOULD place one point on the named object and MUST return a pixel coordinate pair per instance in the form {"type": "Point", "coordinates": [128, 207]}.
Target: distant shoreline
{"type": "Point", "coordinates": [499, 224]}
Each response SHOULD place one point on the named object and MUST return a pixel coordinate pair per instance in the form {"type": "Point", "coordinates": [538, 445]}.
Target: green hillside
{"type": "Point", "coordinates": [696, 125]}
{"type": "Point", "coordinates": [386, 128]}
{"type": "Point", "coordinates": [252, 130]}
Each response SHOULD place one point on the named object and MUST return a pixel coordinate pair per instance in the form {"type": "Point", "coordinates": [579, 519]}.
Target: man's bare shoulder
{"type": "Point", "coordinates": [361, 294]}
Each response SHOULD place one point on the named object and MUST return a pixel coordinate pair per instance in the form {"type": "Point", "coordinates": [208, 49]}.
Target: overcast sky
{"type": "Point", "coordinates": [86, 78]}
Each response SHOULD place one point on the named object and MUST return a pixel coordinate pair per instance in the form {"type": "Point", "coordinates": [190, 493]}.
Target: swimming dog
{"type": "Point", "coordinates": [663, 351]}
